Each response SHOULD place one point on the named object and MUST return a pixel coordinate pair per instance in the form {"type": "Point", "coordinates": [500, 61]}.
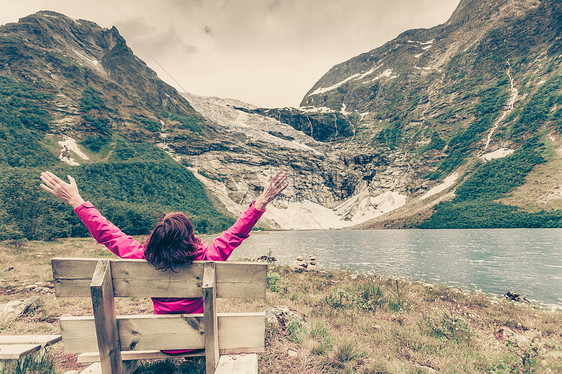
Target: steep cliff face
{"type": "Point", "coordinates": [487, 35]}
{"type": "Point", "coordinates": [331, 185]}
{"type": "Point", "coordinates": [476, 88]}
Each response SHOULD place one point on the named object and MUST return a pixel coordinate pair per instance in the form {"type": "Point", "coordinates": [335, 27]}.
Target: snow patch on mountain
{"type": "Point", "coordinates": [289, 214]}
{"type": "Point", "coordinates": [224, 113]}
{"type": "Point", "coordinates": [499, 153]}
{"type": "Point", "coordinates": [69, 145]}
{"type": "Point", "coordinates": [322, 90]}
{"type": "Point", "coordinates": [388, 73]}
{"type": "Point", "coordinates": [365, 206]}
{"type": "Point", "coordinates": [313, 109]}
{"type": "Point", "coordinates": [447, 183]}
{"type": "Point", "coordinates": [357, 76]}
{"type": "Point", "coordinates": [358, 209]}
{"type": "Point", "coordinates": [91, 62]}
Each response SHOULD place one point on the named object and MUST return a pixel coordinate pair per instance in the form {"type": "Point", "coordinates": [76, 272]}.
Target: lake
{"type": "Point", "coordinates": [527, 261]}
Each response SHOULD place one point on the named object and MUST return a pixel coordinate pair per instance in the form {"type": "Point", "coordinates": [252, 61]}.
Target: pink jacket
{"type": "Point", "coordinates": [125, 246]}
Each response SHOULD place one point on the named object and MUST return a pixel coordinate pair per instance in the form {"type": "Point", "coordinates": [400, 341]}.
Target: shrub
{"type": "Point", "coordinates": [391, 135]}
{"type": "Point", "coordinates": [474, 205]}
{"type": "Point", "coordinates": [124, 150]}
{"type": "Point", "coordinates": [296, 331]}
{"type": "Point", "coordinates": [435, 143]}
{"type": "Point", "coordinates": [91, 100]}
{"type": "Point", "coordinates": [492, 100]}
{"type": "Point", "coordinates": [23, 114]}
{"type": "Point", "coordinates": [99, 123]}
{"type": "Point", "coordinates": [370, 296]}
{"type": "Point", "coordinates": [28, 211]}
{"type": "Point", "coordinates": [344, 355]}
{"type": "Point", "coordinates": [321, 336]}
{"type": "Point", "coordinates": [273, 281]}
{"type": "Point", "coordinates": [497, 177]}
{"type": "Point", "coordinates": [366, 296]}
{"type": "Point", "coordinates": [95, 143]}
{"type": "Point", "coordinates": [149, 124]}
{"type": "Point", "coordinates": [130, 194]}
{"type": "Point", "coordinates": [340, 299]}
{"type": "Point", "coordinates": [188, 122]}
{"type": "Point", "coordinates": [543, 105]}
{"type": "Point", "coordinates": [449, 326]}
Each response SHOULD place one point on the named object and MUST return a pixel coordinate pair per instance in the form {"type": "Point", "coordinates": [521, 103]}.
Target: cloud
{"type": "Point", "coordinates": [267, 52]}
{"type": "Point", "coordinates": [155, 39]}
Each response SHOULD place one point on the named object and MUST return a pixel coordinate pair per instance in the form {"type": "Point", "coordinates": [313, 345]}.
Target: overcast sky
{"type": "Point", "coordinates": [265, 52]}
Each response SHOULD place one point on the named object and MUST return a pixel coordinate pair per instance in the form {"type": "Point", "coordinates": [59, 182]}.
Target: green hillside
{"type": "Point", "coordinates": [131, 183]}
{"type": "Point", "coordinates": [475, 205]}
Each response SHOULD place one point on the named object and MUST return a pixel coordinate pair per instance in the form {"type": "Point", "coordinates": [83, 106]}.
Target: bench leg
{"type": "Point", "coordinates": [107, 332]}
{"type": "Point", "coordinates": [210, 318]}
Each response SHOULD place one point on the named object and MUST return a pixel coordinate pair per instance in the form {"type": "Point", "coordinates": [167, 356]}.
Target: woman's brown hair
{"type": "Point", "coordinates": [172, 242]}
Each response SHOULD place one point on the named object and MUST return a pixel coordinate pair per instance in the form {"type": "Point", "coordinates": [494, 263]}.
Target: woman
{"type": "Point", "coordinates": [172, 241]}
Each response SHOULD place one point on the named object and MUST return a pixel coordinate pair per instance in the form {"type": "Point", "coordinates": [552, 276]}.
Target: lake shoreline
{"type": "Point", "coordinates": [493, 261]}
{"type": "Point", "coordinates": [354, 322]}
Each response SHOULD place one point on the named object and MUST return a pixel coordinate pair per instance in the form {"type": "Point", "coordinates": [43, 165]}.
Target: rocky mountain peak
{"type": "Point", "coordinates": [84, 41]}
{"type": "Point", "coordinates": [54, 52]}
{"type": "Point", "coordinates": [386, 135]}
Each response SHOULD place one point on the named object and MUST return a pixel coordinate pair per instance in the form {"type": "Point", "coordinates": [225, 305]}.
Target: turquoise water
{"type": "Point", "coordinates": [527, 261]}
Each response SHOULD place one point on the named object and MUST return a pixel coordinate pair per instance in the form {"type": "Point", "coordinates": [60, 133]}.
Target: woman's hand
{"type": "Point", "coordinates": [271, 190]}
{"type": "Point", "coordinates": [67, 192]}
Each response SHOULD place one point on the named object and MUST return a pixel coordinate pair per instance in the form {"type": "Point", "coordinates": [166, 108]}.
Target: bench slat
{"type": "Point", "coordinates": [138, 278]}
{"type": "Point", "coordinates": [29, 339]}
{"type": "Point", "coordinates": [17, 351]}
{"type": "Point", "coordinates": [87, 357]}
{"type": "Point", "coordinates": [243, 332]}
{"type": "Point", "coordinates": [241, 279]}
{"type": "Point", "coordinates": [136, 355]}
{"type": "Point", "coordinates": [94, 368]}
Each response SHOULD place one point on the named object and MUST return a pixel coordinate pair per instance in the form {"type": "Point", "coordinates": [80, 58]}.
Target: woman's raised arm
{"type": "Point", "coordinates": [67, 192]}
{"type": "Point", "coordinates": [101, 229]}
{"type": "Point", "coordinates": [221, 248]}
{"type": "Point", "coordinates": [271, 190]}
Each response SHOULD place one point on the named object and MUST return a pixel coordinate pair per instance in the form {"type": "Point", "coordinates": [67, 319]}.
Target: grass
{"type": "Point", "coordinates": [541, 190]}
{"type": "Point", "coordinates": [354, 323]}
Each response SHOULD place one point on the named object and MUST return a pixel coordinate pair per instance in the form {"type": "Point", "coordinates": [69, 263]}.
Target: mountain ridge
{"type": "Point", "coordinates": [384, 140]}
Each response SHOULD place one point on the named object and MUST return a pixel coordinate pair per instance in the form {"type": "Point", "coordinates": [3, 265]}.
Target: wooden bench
{"type": "Point", "coordinates": [16, 347]}
{"type": "Point", "coordinates": [114, 341]}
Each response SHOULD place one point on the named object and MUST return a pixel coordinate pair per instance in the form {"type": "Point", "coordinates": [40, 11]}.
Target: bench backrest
{"type": "Point", "coordinates": [104, 279]}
